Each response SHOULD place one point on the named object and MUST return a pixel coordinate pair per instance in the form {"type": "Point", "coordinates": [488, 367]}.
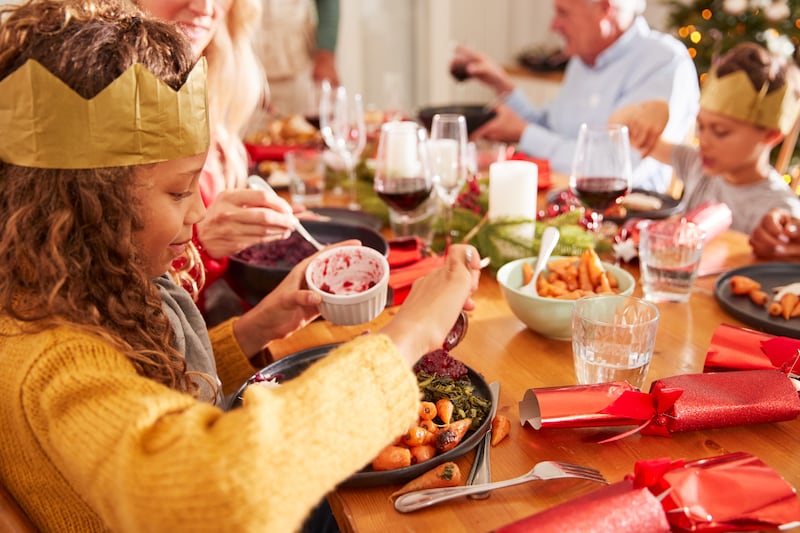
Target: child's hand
{"type": "Point", "coordinates": [777, 235]}
{"type": "Point", "coordinates": [645, 122]}
{"type": "Point", "coordinates": [287, 308]}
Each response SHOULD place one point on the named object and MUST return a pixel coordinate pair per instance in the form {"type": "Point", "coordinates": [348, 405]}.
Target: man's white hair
{"type": "Point", "coordinates": [634, 7]}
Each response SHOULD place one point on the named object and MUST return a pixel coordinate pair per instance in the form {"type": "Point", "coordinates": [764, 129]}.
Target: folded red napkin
{"type": "Point", "coordinates": [544, 181]}
{"type": "Point", "coordinates": [617, 507]}
{"type": "Point", "coordinates": [735, 348]}
{"type": "Point", "coordinates": [731, 492]}
{"type": "Point", "coordinates": [679, 403]}
{"type": "Point", "coordinates": [406, 264]}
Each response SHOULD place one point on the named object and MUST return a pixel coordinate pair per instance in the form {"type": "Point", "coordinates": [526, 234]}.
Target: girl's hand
{"type": "Point", "coordinates": [240, 218]}
{"type": "Point", "coordinates": [287, 308]}
{"type": "Point", "coordinates": [432, 307]}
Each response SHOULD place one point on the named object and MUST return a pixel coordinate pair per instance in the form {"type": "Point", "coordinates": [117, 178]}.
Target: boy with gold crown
{"type": "Point", "coordinates": [109, 381]}
{"type": "Point", "coordinates": [748, 103]}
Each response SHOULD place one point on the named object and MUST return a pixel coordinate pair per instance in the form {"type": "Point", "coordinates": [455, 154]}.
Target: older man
{"type": "Point", "coordinates": [615, 60]}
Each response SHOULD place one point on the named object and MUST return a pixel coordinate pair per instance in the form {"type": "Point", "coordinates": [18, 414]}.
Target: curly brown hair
{"type": "Point", "coordinates": [66, 252]}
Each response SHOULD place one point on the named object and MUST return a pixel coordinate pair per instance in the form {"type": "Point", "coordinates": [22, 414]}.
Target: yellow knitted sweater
{"type": "Point", "coordinates": [87, 444]}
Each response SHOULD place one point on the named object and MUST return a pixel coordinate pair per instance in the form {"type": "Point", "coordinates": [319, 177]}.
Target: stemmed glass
{"type": "Point", "coordinates": [601, 168]}
{"type": "Point", "coordinates": [449, 160]}
{"type": "Point", "coordinates": [341, 122]}
{"type": "Point", "coordinates": [402, 170]}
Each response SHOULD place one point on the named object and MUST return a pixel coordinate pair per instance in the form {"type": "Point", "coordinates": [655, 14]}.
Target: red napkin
{"type": "Point", "coordinates": [735, 348]}
{"type": "Point", "coordinates": [544, 181]}
{"type": "Point", "coordinates": [732, 492]}
{"type": "Point", "coordinates": [619, 507]}
{"type": "Point", "coordinates": [406, 264]}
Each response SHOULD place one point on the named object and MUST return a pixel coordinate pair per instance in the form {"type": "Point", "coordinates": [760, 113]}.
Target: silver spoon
{"type": "Point", "coordinates": [549, 241]}
{"type": "Point", "coordinates": [257, 182]}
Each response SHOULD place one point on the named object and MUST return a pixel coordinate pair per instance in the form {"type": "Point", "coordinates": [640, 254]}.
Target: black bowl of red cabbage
{"type": "Point", "coordinates": [255, 272]}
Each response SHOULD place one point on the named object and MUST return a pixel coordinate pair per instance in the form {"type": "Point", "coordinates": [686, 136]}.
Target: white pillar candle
{"type": "Point", "coordinates": [402, 156]}
{"type": "Point", "coordinates": [513, 190]}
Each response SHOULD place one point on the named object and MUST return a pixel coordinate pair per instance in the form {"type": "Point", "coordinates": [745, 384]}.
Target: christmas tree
{"type": "Point", "coordinates": [709, 28]}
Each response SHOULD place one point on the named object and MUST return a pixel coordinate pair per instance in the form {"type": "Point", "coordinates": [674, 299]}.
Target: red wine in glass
{"type": "Point", "coordinates": [598, 194]}
{"type": "Point", "coordinates": [404, 194]}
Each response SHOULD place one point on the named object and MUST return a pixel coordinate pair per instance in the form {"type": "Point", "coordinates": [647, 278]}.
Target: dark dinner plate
{"type": "Point", "coordinates": [770, 275]}
{"type": "Point", "coordinates": [476, 115]}
{"type": "Point", "coordinates": [292, 365]}
{"type": "Point", "coordinates": [669, 206]}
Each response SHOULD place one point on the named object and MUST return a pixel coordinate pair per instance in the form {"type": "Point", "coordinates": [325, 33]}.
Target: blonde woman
{"type": "Point", "coordinates": [237, 217]}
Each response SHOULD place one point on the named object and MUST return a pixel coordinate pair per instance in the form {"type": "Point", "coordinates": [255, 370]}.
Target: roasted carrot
{"type": "Point", "coordinates": [445, 475]}
{"type": "Point", "coordinates": [593, 265]}
{"type": "Point", "coordinates": [788, 301]}
{"type": "Point", "coordinates": [775, 308]}
{"type": "Point", "coordinates": [450, 435]}
{"type": "Point", "coordinates": [527, 273]}
{"type": "Point", "coordinates": [392, 457]}
{"type": "Point", "coordinates": [444, 408]}
{"type": "Point", "coordinates": [796, 311]}
{"type": "Point", "coordinates": [427, 410]}
{"type": "Point", "coordinates": [429, 425]}
{"type": "Point", "coordinates": [742, 285]}
{"type": "Point", "coordinates": [759, 297]}
{"type": "Point", "coordinates": [420, 454]}
{"type": "Point", "coordinates": [501, 425]}
{"type": "Point", "coordinates": [415, 436]}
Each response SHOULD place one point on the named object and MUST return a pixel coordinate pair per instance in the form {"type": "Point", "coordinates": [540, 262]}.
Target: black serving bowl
{"type": "Point", "coordinates": [252, 281]}
{"type": "Point", "coordinates": [476, 114]}
{"type": "Point", "coordinates": [291, 366]}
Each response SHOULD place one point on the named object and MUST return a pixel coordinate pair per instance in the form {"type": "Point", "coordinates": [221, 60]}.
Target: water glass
{"type": "Point", "coordinates": [669, 255]}
{"type": "Point", "coordinates": [306, 170]}
{"type": "Point", "coordinates": [613, 337]}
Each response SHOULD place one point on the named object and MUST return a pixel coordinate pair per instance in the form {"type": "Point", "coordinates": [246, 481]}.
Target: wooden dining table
{"type": "Point", "coordinates": [501, 348]}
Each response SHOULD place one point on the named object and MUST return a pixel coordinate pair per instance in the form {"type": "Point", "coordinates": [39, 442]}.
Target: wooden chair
{"type": "Point", "coordinates": [12, 518]}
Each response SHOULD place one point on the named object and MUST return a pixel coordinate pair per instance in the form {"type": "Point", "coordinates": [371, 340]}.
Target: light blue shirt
{"type": "Point", "coordinates": [642, 64]}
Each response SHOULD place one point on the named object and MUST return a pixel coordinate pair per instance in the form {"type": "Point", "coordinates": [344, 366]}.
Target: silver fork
{"type": "Point", "coordinates": [413, 501]}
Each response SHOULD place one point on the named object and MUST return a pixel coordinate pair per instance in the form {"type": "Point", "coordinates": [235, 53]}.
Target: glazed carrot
{"type": "Point", "coordinates": [445, 475]}
{"type": "Point", "coordinates": [429, 425]}
{"type": "Point", "coordinates": [444, 408]}
{"type": "Point", "coordinates": [741, 285]}
{"type": "Point", "coordinates": [796, 311]}
{"type": "Point", "coordinates": [775, 308]}
{"type": "Point", "coordinates": [527, 273]}
{"type": "Point", "coordinates": [450, 435]}
{"type": "Point", "coordinates": [415, 436]}
{"type": "Point", "coordinates": [420, 454]}
{"type": "Point", "coordinates": [427, 410]}
{"type": "Point", "coordinates": [788, 301]}
{"type": "Point", "coordinates": [501, 425]}
{"type": "Point", "coordinates": [759, 297]}
{"type": "Point", "coordinates": [392, 457]}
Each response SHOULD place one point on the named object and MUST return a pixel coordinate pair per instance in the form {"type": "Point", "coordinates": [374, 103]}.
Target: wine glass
{"type": "Point", "coordinates": [601, 169]}
{"type": "Point", "coordinates": [449, 161]}
{"type": "Point", "coordinates": [402, 171]}
{"type": "Point", "coordinates": [341, 122]}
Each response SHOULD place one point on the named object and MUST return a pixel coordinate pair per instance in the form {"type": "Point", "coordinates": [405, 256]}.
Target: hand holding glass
{"type": "Point", "coordinates": [601, 168]}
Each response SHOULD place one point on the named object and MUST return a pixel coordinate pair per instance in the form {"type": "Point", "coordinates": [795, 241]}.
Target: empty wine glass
{"type": "Point", "coordinates": [449, 161]}
{"type": "Point", "coordinates": [402, 172]}
{"type": "Point", "coordinates": [601, 168]}
{"type": "Point", "coordinates": [341, 121]}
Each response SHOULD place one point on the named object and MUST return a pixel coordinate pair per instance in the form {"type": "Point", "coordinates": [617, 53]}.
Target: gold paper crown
{"type": "Point", "coordinates": [733, 95]}
{"type": "Point", "coordinates": [136, 120]}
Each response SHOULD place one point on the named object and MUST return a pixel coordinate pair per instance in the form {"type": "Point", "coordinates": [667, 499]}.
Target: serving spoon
{"type": "Point", "coordinates": [546, 247]}
{"type": "Point", "coordinates": [257, 182]}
